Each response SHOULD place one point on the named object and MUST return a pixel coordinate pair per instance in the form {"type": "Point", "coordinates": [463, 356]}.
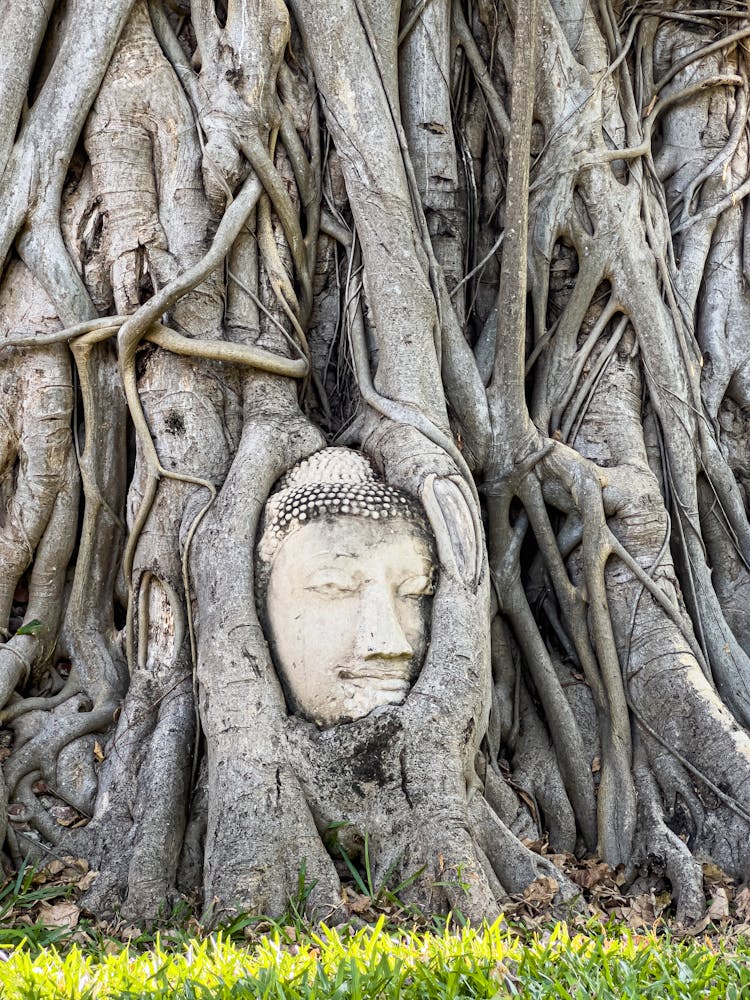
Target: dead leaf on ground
{"type": "Point", "coordinates": [538, 846]}
{"type": "Point", "coordinates": [718, 908]}
{"type": "Point", "coordinates": [590, 874]}
{"type": "Point", "coordinates": [62, 914]}
{"type": "Point", "coordinates": [87, 881]}
{"type": "Point", "coordinates": [541, 892]}
{"type": "Point", "coordinates": [65, 815]}
{"type": "Point", "coordinates": [643, 911]}
{"type": "Point", "coordinates": [358, 903]}
{"type": "Point", "coordinates": [562, 861]}
{"type": "Point", "coordinates": [527, 800]}
{"type": "Point", "coordinates": [742, 904]}
{"type": "Point", "coordinates": [713, 876]}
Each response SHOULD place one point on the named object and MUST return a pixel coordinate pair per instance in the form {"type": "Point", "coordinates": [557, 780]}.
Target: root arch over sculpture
{"type": "Point", "coordinates": [498, 249]}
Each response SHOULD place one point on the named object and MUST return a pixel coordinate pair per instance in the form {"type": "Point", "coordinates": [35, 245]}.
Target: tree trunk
{"type": "Point", "coordinates": [499, 248]}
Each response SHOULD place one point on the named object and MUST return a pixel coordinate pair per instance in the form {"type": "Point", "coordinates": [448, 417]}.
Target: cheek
{"type": "Point", "coordinates": [289, 627]}
{"type": "Point", "coordinates": [320, 634]}
{"type": "Point", "coordinates": [414, 618]}
{"type": "Point", "coordinates": [334, 624]}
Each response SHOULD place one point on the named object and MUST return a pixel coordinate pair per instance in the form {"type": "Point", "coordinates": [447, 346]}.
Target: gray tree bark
{"type": "Point", "coordinates": [500, 247]}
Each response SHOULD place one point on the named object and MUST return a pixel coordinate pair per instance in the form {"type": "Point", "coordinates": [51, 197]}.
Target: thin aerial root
{"type": "Point", "coordinates": [398, 412]}
{"type": "Point", "coordinates": [481, 73]}
{"type": "Point", "coordinates": [568, 596]}
{"type": "Point", "coordinates": [729, 800]}
{"type": "Point", "coordinates": [269, 176]}
{"type": "Point", "coordinates": [229, 352]}
{"type": "Point", "coordinates": [617, 802]}
{"type": "Point", "coordinates": [581, 357]}
{"type": "Point", "coordinates": [574, 764]}
{"type": "Point", "coordinates": [723, 157]}
{"type": "Point", "coordinates": [697, 54]}
{"type": "Point", "coordinates": [575, 414]}
{"type": "Point", "coordinates": [671, 609]}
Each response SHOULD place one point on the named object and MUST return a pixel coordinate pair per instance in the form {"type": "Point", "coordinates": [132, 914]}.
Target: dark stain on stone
{"type": "Point", "coordinates": [174, 423]}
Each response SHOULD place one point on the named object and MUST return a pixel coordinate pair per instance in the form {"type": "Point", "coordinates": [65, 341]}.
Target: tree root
{"type": "Point", "coordinates": [657, 840]}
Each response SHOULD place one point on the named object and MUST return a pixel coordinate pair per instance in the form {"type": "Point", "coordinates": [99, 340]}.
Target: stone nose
{"type": "Point", "coordinates": [380, 632]}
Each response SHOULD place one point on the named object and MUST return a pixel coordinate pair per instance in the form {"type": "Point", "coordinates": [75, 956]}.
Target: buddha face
{"type": "Point", "coordinates": [348, 605]}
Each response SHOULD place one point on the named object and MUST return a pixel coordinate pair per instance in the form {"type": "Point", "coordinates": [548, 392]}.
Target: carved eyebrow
{"type": "Point", "coordinates": [334, 554]}
{"type": "Point", "coordinates": [329, 574]}
{"type": "Point", "coordinates": [421, 582]}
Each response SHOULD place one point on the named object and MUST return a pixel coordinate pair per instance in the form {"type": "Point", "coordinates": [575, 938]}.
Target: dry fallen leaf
{"type": "Point", "coordinates": [719, 906]}
{"type": "Point", "coordinates": [714, 875]}
{"type": "Point", "coordinates": [742, 904]}
{"type": "Point", "coordinates": [538, 846]}
{"type": "Point", "coordinates": [98, 752]}
{"type": "Point", "coordinates": [87, 881]}
{"type": "Point", "coordinates": [527, 800]}
{"type": "Point", "coordinates": [65, 815]}
{"type": "Point", "coordinates": [591, 874]}
{"type": "Point", "coordinates": [358, 903]}
{"type": "Point", "coordinates": [541, 892]}
{"type": "Point", "coordinates": [62, 914]}
{"type": "Point", "coordinates": [642, 911]}
{"type": "Point", "coordinates": [693, 930]}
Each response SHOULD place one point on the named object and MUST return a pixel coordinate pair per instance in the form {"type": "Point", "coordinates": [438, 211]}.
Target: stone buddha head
{"type": "Point", "coordinates": [345, 571]}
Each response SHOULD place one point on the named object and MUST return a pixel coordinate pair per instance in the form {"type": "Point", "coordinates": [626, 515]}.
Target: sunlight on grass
{"type": "Point", "coordinates": [494, 962]}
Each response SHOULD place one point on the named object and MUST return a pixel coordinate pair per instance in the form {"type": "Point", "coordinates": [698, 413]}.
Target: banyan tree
{"type": "Point", "coordinates": [495, 254]}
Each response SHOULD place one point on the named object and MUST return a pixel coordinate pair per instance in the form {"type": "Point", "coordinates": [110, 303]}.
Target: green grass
{"type": "Point", "coordinates": [372, 963]}
{"type": "Point", "coordinates": [383, 961]}
{"type": "Point", "coordinates": [19, 899]}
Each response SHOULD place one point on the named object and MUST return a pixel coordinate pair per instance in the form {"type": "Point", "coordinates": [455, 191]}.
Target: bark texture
{"type": "Point", "coordinates": [502, 248]}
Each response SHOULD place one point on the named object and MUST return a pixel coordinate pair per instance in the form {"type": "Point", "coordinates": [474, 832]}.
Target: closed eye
{"type": "Point", "coordinates": [332, 588]}
{"type": "Point", "coordinates": [417, 586]}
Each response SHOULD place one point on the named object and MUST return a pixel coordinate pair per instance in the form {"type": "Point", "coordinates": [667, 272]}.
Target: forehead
{"type": "Point", "coordinates": [358, 538]}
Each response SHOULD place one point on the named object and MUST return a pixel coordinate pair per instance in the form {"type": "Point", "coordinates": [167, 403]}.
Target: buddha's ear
{"type": "Point", "coordinates": [455, 522]}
